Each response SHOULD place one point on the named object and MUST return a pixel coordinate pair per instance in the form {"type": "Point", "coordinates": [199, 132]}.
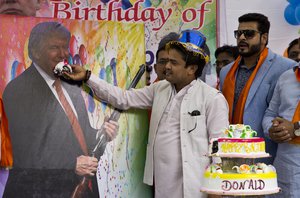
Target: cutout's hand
{"type": "Point", "coordinates": [86, 165]}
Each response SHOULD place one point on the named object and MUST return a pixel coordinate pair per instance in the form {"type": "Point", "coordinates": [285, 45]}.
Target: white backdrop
{"type": "Point", "coordinates": [281, 32]}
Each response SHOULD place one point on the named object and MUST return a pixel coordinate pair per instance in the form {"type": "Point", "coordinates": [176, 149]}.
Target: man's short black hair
{"type": "Point", "coordinates": [229, 49]}
{"type": "Point", "coordinates": [172, 36]}
{"type": "Point", "coordinates": [44, 30]}
{"type": "Point", "coordinates": [262, 21]}
{"type": "Point", "coordinates": [191, 58]}
{"type": "Point", "coordinates": [294, 42]}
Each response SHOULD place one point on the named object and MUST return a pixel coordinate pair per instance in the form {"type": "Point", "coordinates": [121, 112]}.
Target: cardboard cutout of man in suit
{"type": "Point", "coordinates": [48, 159]}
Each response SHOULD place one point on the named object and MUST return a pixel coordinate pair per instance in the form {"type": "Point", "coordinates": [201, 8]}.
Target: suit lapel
{"type": "Point", "coordinates": [262, 72]}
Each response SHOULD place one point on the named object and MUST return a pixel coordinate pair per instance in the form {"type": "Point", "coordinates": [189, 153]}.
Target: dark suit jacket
{"type": "Point", "coordinates": [44, 144]}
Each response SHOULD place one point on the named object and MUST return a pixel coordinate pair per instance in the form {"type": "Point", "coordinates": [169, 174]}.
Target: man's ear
{"type": "Point", "coordinates": [265, 37]}
{"type": "Point", "coordinates": [193, 69]}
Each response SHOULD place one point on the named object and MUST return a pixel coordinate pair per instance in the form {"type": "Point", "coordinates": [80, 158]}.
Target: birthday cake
{"type": "Point", "coordinates": [237, 173]}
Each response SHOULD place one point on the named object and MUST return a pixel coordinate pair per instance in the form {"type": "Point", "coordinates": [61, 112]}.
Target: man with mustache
{"type": "Point", "coordinates": [248, 83]}
{"type": "Point", "coordinates": [20, 7]}
{"type": "Point", "coordinates": [186, 114]}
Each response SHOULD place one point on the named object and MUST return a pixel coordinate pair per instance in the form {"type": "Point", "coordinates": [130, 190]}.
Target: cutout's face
{"type": "Point", "coordinates": [53, 50]}
{"type": "Point", "coordinates": [19, 7]}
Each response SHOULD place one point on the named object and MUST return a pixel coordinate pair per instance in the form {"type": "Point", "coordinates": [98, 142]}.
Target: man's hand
{"type": "Point", "coordinates": [281, 130]}
{"type": "Point", "coordinates": [111, 128]}
{"type": "Point", "coordinates": [86, 166]}
{"type": "Point", "coordinates": [78, 73]}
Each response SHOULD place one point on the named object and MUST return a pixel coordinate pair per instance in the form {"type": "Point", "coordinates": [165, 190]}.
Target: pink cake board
{"type": "Point", "coordinates": [266, 192]}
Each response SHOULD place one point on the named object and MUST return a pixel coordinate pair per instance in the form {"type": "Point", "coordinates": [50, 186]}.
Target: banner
{"type": "Point", "coordinates": [160, 17]}
{"type": "Point", "coordinates": [113, 51]}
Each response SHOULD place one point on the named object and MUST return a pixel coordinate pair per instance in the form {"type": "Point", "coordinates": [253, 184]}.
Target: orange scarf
{"type": "Point", "coordinates": [296, 116]}
{"type": "Point", "coordinates": [6, 148]}
{"type": "Point", "coordinates": [229, 86]}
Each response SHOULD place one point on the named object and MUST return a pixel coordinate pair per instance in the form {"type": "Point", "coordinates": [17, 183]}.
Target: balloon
{"type": "Point", "coordinates": [126, 4]}
{"type": "Point", "coordinates": [82, 54]}
{"type": "Point", "coordinates": [294, 2]}
{"type": "Point", "coordinates": [102, 74]}
{"type": "Point", "coordinates": [297, 14]}
{"type": "Point", "coordinates": [99, 55]}
{"type": "Point", "coordinates": [289, 15]}
{"type": "Point", "coordinates": [73, 45]}
{"type": "Point", "coordinates": [77, 60]}
{"type": "Point", "coordinates": [108, 74]}
{"type": "Point", "coordinates": [70, 59]}
{"type": "Point", "coordinates": [147, 3]}
{"type": "Point", "coordinates": [16, 69]}
{"type": "Point", "coordinates": [156, 3]}
{"type": "Point", "coordinates": [20, 69]}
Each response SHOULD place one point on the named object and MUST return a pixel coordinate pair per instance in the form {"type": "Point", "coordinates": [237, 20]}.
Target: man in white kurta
{"type": "Point", "coordinates": [186, 114]}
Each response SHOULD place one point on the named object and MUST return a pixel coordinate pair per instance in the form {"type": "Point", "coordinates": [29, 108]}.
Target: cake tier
{"type": "Point", "coordinates": [239, 147]}
{"type": "Point", "coordinates": [240, 184]}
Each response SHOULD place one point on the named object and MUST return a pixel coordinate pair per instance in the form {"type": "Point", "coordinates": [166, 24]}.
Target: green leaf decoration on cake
{"type": "Point", "coordinates": [254, 133]}
{"type": "Point", "coordinates": [240, 131]}
{"type": "Point", "coordinates": [243, 135]}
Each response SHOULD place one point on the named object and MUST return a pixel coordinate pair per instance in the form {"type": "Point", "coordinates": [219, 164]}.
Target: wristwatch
{"type": "Point", "coordinates": [297, 128]}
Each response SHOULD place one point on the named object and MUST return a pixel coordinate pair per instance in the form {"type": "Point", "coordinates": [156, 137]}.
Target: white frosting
{"type": "Point", "coordinates": [228, 184]}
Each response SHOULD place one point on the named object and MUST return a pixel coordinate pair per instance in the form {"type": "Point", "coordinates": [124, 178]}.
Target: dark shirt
{"type": "Point", "coordinates": [243, 74]}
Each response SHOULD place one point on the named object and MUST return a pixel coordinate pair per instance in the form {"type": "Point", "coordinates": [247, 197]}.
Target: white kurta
{"type": "Point", "coordinates": [175, 136]}
{"type": "Point", "coordinates": [167, 152]}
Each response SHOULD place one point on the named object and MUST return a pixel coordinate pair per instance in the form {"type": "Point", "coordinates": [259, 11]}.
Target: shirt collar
{"type": "Point", "coordinates": [242, 65]}
{"type": "Point", "coordinates": [184, 89]}
{"type": "Point", "coordinates": [49, 79]}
